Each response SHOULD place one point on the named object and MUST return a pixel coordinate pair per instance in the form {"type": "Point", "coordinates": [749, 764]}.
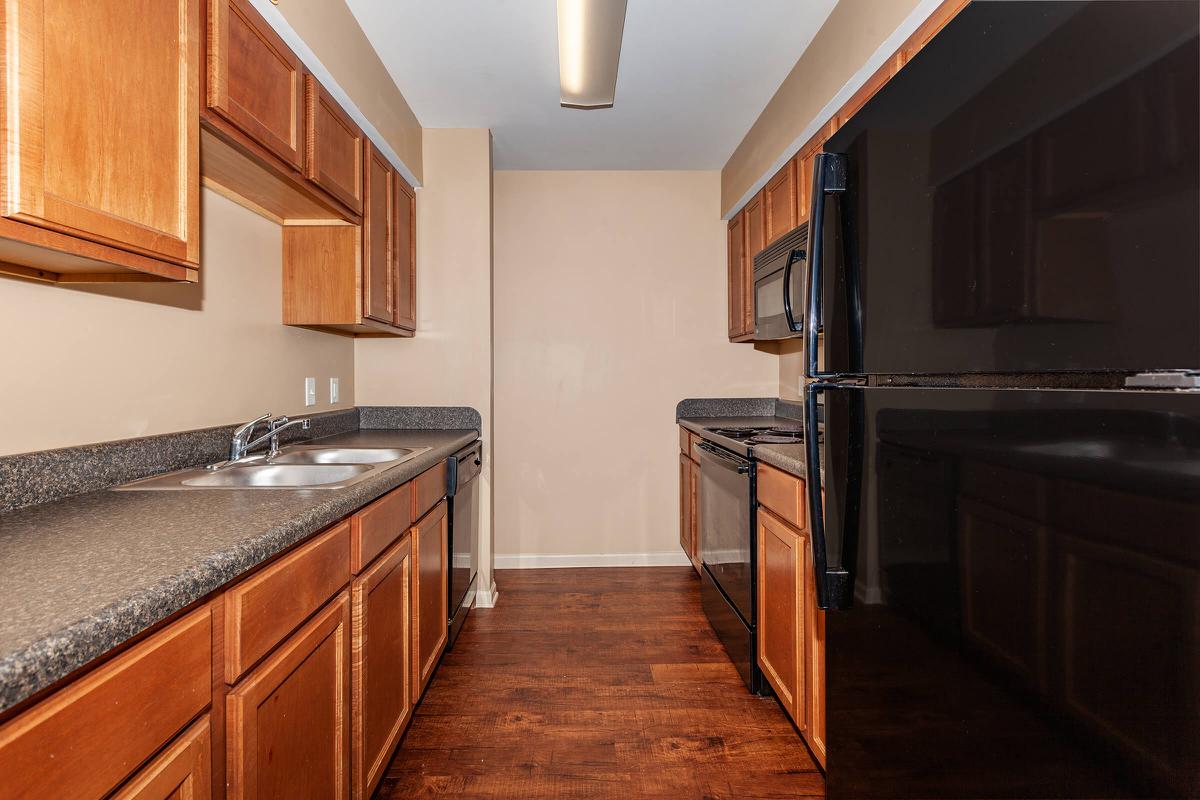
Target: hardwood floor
{"type": "Point", "coordinates": [596, 683]}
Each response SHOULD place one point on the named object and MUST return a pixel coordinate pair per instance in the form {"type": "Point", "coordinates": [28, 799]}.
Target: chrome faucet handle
{"type": "Point", "coordinates": [237, 445]}
{"type": "Point", "coordinates": [243, 430]}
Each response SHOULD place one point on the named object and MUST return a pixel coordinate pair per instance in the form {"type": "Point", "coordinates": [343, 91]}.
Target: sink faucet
{"type": "Point", "coordinates": [241, 443]}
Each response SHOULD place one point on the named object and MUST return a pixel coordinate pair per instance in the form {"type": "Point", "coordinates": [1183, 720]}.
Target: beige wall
{"type": "Point", "coordinates": [95, 364]}
{"type": "Point", "coordinates": [450, 360]}
{"type": "Point", "coordinates": [609, 309]}
{"type": "Point", "coordinates": [840, 53]}
{"type": "Point", "coordinates": [331, 31]}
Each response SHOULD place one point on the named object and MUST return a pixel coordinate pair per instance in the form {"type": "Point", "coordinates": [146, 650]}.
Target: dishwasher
{"type": "Point", "coordinates": [462, 478]}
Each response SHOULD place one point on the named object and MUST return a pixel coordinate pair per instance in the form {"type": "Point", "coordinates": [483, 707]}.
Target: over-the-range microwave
{"type": "Point", "coordinates": [779, 287]}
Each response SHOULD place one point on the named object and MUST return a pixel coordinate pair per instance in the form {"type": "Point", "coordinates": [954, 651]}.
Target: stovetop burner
{"type": "Point", "coordinates": [762, 434]}
{"type": "Point", "coordinates": [776, 438]}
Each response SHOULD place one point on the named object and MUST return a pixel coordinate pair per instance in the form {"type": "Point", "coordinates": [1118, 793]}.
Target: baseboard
{"type": "Point", "coordinates": [673, 558]}
{"type": "Point", "coordinates": [486, 598]}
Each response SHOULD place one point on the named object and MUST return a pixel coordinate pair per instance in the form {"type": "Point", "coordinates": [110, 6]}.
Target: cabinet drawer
{"type": "Point", "coordinates": [263, 609]}
{"type": "Point", "coordinates": [83, 741]}
{"type": "Point", "coordinates": [181, 772]}
{"type": "Point", "coordinates": [378, 525]}
{"type": "Point", "coordinates": [428, 489]}
{"type": "Point", "coordinates": [783, 494]}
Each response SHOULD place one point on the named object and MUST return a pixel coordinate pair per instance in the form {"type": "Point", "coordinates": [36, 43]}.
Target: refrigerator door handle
{"type": "Point", "coordinates": [829, 177]}
{"type": "Point", "coordinates": [834, 583]}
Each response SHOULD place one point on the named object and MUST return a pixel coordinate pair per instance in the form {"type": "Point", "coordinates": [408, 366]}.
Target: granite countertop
{"type": "Point", "coordinates": [81, 575]}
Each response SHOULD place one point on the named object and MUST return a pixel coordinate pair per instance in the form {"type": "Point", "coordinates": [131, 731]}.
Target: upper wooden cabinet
{"type": "Point", "coordinates": [356, 279]}
{"type": "Point", "coordinates": [100, 162]}
{"type": "Point", "coordinates": [779, 202]}
{"type": "Point", "coordinates": [333, 156]}
{"type": "Point", "coordinates": [255, 82]}
{"type": "Point", "coordinates": [741, 311]}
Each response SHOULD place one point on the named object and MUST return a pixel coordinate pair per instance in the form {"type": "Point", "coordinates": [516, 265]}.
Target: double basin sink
{"type": "Point", "coordinates": [295, 467]}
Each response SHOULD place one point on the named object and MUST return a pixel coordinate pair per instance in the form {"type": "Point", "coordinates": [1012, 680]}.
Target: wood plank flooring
{"type": "Point", "coordinates": [596, 683]}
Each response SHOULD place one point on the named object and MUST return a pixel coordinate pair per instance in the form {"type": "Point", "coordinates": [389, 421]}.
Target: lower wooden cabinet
{"type": "Point", "coordinates": [791, 629]}
{"type": "Point", "coordinates": [782, 562]}
{"type": "Point", "coordinates": [689, 520]}
{"type": "Point", "coordinates": [381, 658]}
{"type": "Point", "coordinates": [75, 745]}
{"type": "Point", "coordinates": [181, 772]}
{"type": "Point", "coordinates": [288, 721]}
{"type": "Point", "coordinates": [430, 539]}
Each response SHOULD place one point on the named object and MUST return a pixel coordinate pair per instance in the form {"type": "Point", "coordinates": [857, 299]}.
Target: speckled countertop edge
{"type": "Point", "coordinates": [31, 666]}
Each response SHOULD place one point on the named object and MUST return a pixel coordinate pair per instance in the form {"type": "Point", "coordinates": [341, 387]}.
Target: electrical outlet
{"type": "Point", "coordinates": [310, 391]}
{"type": "Point", "coordinates": [334, 394]}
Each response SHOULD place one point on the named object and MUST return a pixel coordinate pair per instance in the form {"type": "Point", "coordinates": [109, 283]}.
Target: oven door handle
{"type": "Point", "coordinates": [726, 459]}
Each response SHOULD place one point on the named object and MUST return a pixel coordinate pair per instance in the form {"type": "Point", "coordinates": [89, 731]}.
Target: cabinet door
{"type": "Point", "coordinates": [686, 504]}
{"type": "Point", "coordinates": [404, 255]}
{"type": "Point", "coordinates": [333, 154]}
{"type": "Point", "coordinates": [255, 82]}
{"type": "Point", "coordinates": [782, 596]}
{"type": "Point", "coordinates": [101, 131]}
{"type": "Point", "coordinates": [430, 538]}
{"type": "Point", "coordinates": [694, 500]}
{"type": "Point", "coordinates": [738, 290]}
{"type": "Point", "coordinates": [814, 647]}
{"type": "Point", "coordinates": [379, 233]}
{"type": "Point", "coordinates": [181, 772]}
{"type": "Point", "coordinates": [780, 201]}
{"type": "Point", "coordinates": [756, 240]}
{"type": "Point", "coordinates": [288, 721]}
{"type": "Point", "coordinates": [381, 659]}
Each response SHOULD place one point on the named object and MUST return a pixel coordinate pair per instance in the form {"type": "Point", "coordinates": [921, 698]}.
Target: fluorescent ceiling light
{"type": "Point", "coordinates": [589, 47]}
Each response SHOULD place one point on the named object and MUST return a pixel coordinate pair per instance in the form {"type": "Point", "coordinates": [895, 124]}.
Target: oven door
{"type": "Point", "coordinates": [726, 509]}
{"type": "Point", "coordinates": [779, 296]}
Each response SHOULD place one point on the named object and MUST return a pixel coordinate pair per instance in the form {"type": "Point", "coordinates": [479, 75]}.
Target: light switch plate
{"type": "Point", "coordinates": [334, 393]}
{"type": "Point", "coordinates": [310, 391]}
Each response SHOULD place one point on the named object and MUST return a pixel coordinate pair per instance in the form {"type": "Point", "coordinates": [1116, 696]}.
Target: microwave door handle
{"type": "Point", "coordinates": [793, 257]}
{"type": "Point", "coordinates": [829, 176]}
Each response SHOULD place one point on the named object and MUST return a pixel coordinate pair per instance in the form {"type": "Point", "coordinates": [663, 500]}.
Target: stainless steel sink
{"type": "Point", "coordinates": [295, 467]}
{"type": "Point", "coordinates": [277, 476]}
{"type": "Point", "coordinates": [344, 455]}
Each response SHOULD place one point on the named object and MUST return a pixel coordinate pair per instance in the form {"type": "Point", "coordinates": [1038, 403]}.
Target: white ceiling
{"type": "Point", "coordinates": [693, 76]}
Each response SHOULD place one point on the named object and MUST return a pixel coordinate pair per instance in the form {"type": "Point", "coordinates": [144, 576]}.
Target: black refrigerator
{"type": "Point", "coordinates": [1003, 330]}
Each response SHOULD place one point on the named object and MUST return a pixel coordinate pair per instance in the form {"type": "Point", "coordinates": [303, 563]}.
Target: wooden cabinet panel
{"type": "Point", "coordinates": [756, 234]}
{"type": "Point", "coordinates": [181, 772]}
{"type": "Point", "coordinates": [263, 609]}
{"type": "Point", "coordinates": [333, 156]}
{"type": "Point", "coordinates": [405, 256]}
{"type": "Point", "coordinates": [289, 721]}
{"type": "Point", "coordinates": [379, 238]}
{"type": "Point", "coordinates": [381, 662]}
{"type": "Point", "coordinates": [782, 597]}
{"type": "Point", "coordinates": [805, 161]}
{"type": "Point", "coordinates": [428, 488]}
{"type": "Point", "coordinates": [689, 474]}
{"type": "Point", "coordinates": [685, 440]}
{"type": "Point", "coordinates": [255, 82]}
{"type": "Point", "coordinates": [783, 494]}
{"type": "Point", "coordinates": [739, 290]}
{"type": "Point", "coordinates": [779, 202]}
{"type": "Point", "coordinates": [431, 610]}
{"type": "Point", "coordinates": [814, 646]}
{"type": "Point", "coordinates": [101, 129]}
{"type": "Point", "coordinates": [87, 738]}
{"type": "Point", "coordinates": [375, 527]}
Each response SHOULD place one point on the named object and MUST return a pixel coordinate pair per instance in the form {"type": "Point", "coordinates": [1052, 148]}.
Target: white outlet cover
{"type": "Point", "coordinates": [310, 391]}
{"type": "Point", "coordinates": [334, 393]}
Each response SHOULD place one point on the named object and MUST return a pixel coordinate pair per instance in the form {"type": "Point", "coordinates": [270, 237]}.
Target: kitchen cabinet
{"type": "Point", "coordinates": [805, 161]}
{"type": "Point", "coordinates": [289, 718]}
{"type": "Point", "coordinates": [741, 305]}
{"type": "Point", "coordinates": [782, 563]}
{"type": "Point", "coordinates": [381, 624]}
{"type": "Point", "coordinates": [264, 145]}
{"type": "Point", "coordinates": [73, 745]}
{"type": "Point", "coordinates": [689, 477]}
{"type": "Point", "coordinates": [334, 145]}
{"type": "Point", "coordinates": [791, 629]}
{"type": "Point", "coordinates": [100, 164]}
{"type": "Point", "coordinates": [181, 772]}
{"type": "Point", "coordinates": [358, 280]}
{"type": "Point", "coordinates": [779, 202]}
{"type": "Point", "coordinates": [430, 539]}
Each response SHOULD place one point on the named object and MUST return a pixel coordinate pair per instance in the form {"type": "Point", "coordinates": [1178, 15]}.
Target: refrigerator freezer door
{"type": "Point", "coordinates": [1025, 619]}
{"type": "Point", "coordinates": [1022, 197]}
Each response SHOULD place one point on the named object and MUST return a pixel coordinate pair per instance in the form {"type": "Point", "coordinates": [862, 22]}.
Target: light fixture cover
{"type": "Point", "coordinates": [589, 47]}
